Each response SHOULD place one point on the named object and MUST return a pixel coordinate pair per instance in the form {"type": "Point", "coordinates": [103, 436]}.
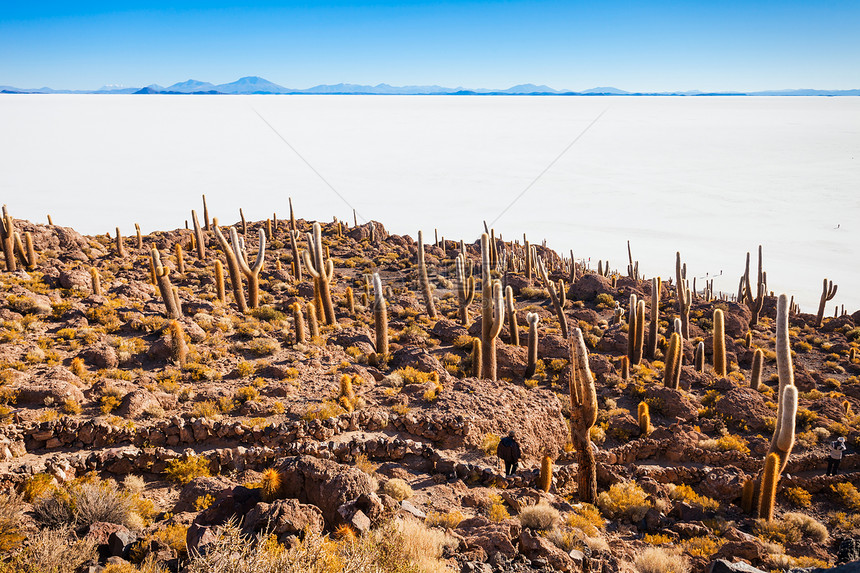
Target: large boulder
{"type": "Point", "coordinates": [671, 403]}
{"type": "Point", "coordinates": [588, 286]}
{"type": "Point", "coordinates": [284, 517]}
{"type": "Point", "coordinates": [136, 404]}
{"type": "Point", "coordinates": [201, 487]}
{"type": "Point", "coordinates": [745, 404]}
{"type": "Point", "coordinates": [323, 483]}
{"type": "Point", "coordinates": [492, 538]}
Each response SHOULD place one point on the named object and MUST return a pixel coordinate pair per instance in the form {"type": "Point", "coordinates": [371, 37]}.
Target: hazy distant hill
{"type": "Point", "coordinates": [258, 85]}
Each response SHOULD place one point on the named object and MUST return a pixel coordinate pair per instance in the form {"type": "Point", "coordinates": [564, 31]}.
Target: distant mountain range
{"type": "Point", "coordinates": [257, 85]}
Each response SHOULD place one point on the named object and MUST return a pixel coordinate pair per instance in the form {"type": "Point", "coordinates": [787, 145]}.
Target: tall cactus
{"type": "Point", "coordinates": [120, 247]}
{"type": "Point", "coordinates": [635, 330]}
{"type": "Point", "coordinates": [533, 319]}
{"type": "Point", "coordinates": [492, 312]}
{"type": "Point", "coordinates": [7, 235]}
{"type": "Point", "coordinates": [465, 289]}
{"type": "Point", "coordinates": [674, 353]}
{"type": "Point", "coordinates": [426, 289]}
{"type": "Point", "coordinates": [232, 267]}
{"type": "Point", "coordinates": [162, 273]}
{"type": "Point", "coordinates": [654, 325]}
{"type": "Point", "coordinates": [553, 295]}
{"type": "Point", "coordinates": [322, 272]}
{"type": "Point", "coordinates": [828, 291]}
{"type": "Point", "coordinates": [782, 441]}
{"type": "Point", "coordinates": [512, 316]}
{"type": "Point", "coordinates": [684, 299]}
{"type": "Point", "coordinates": [198, 234]}
{"type": "Point", "coordinates": [251, 272]}
{"type": "Point", "coordinates": [380, 315]}
{"type": "Point", "coordinates": [583, 415]}
{"type": "Point", "coordinates": [754, 304]}
{"type": "Point", "coordinates": [700, 357]}
{"type": "Point", "coordinates": [719, 343]}
{"type": "Point", "coordinates": [757, 363]}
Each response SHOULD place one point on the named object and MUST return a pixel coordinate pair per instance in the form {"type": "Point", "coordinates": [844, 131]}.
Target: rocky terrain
{"type": "Point", "coordinates": [156, 419]}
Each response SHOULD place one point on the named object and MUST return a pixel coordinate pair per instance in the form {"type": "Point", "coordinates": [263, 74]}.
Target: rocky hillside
{"type": "Point", "coordinates": [162, 410]}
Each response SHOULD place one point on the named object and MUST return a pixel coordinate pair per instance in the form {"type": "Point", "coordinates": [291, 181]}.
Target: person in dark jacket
{"type": "Point", "coordinates": [510, 453]}
{"type": "Point", "coordinates": [837, 448]}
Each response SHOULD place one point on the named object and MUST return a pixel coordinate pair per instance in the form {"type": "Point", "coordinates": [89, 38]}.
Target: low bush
{"type": "Point", "coordinates": [660, 560]}
{"type": "Point", "coordinates": [398, 489]}
{"type": "Point", "coordinates": [181, 471]}
{"type": "Point", "coordinates": [540, 516]}
{"type": "Point", "coordinates": [624, 499]}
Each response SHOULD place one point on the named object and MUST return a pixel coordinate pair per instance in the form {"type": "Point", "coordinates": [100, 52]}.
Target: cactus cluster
{"type": "Point", "coordinates": [492, 312]}
{"type": "Point", "coordinates": [322, 271]}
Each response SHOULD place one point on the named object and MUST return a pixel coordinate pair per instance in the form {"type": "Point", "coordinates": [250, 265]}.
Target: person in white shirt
{"type": "Point", "coordinates": [837, 448]}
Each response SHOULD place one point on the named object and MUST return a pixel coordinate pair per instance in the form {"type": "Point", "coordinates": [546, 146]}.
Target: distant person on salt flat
{"type": "Point", "coordinates": [509, 452]}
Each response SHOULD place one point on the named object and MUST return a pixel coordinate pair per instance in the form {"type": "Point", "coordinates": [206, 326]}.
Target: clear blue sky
{"type": "Point", "coordinates": [658, 45]}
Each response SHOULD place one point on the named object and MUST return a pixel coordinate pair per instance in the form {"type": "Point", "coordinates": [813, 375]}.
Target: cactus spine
{"type": "Point", "coordinates": [251, 272]}
{"type": "Point", "coordinates": [545, 478]}
{"type": "Point", "coordinates": [198, 234]}
{"type": "Point", "coordinates": [533, 319]}
{"type": "Point", "coordinates": [828, 291]}
{"type": "Point", "coordinates": [171, 301]}
{"type": "Point", "coordinates": [719, 343]}
{"type": "Point", "coordinates": [426, 289]}
{"type": "Point", "coordinates": [465, 289]}
{"type": "Point", "coordinates": [755, 375]}
{"type": "Point", "coordinates": [644, 418]}
{"type": "Point", "coordinates": [178, 348]}
{"type": "Point", "coordinates": [232, 267]}
{"type": "Point", "coordinates": [674, 352]}
{"type": "Point", "coordinates": [322, 273]}
{"type": "Point", "coordinates": [553, 295]}
{"type": "Point", "coordinates": [512, 316]}
{"type": "Point", "coordinates": [583, 409]}
{"type": "Point", "coordinates": [492, 312]}
{"type": "Point", "coordinates": [380, 315]}
{"type": "Point", "coordinates": [299, 323]}
{"type": "Point", "coordinates": [700, 357]}
{"type": "Point", "coordinates": [270, 484]}
{"type": "Point", "coordinates": [654, 325]}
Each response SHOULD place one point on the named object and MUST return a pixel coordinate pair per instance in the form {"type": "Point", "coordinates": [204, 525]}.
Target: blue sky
{"type": "Point", "coordinates": [645, 46]}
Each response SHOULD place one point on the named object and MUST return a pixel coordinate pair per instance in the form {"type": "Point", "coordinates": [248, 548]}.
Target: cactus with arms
{"type": "Point", "coordinates": [556, 301]}
{"type": "Point", "coordinates": [828, 291]}
{"type": "Point", "coordinates": [322, 272]}
{"type": "Point", "coordinates": [465, 289]}
{"type": "Point", "coordinates": [251, 272]}
{"type": "Point", "coordinates": [492, 312]}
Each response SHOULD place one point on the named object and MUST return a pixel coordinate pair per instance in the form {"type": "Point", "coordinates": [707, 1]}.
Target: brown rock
{"type": "Point", "coordinates": [673, 403]}
{"type": "Point", "coordinates": [199, 487]}
{"type": "Point", "coordinates": [588, 286]}
{"type": "Point", "coordinates": [747, 405]}
{"type": "Point", "coordinates": [76, 279]}
{"type": "Point", "coordinates": [323, 483]}
{"type": "Point", "coordinates": [535, 546]}
{"type": "Point", "coordinates": [492, 538]}
{"type": "Point", "coordinates": [137, 403]}
{"type": "Point", "coordinates": [101, 356]}
{"type": "Point", "coordinates": [52, 389]}
{"type": "Point", "coordinates": [284, 517]}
